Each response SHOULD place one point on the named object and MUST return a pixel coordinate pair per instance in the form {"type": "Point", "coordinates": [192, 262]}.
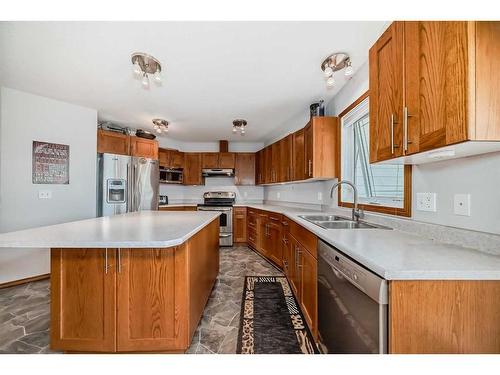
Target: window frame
{"type": "Point", "coordinates": [398, 211]}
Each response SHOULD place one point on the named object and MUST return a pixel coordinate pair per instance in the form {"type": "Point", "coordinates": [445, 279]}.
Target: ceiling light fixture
{"type": "Point", "coordinates": [336, 62]}
{"type": "Point", "coordinates": [144, 65]}
{"type": "Point", "coordinates": [239, 126]}
{"type": "Point", "coordinates": [160, 125]}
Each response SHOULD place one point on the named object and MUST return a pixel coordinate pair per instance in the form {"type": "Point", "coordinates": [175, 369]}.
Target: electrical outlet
{"type": "Point", "coordinates": [320, 196]}
{"type": "Point", "coordinates": [278, 195]}
{"type": "Point", "coordinates": [426, 202]}
{"type": "Point", "coordinates": [461, 204]}
{"type": "Point", "coordinates": [44, 194]}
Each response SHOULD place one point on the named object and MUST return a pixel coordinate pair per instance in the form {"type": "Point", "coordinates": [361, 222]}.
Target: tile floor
{"type": "Point", "coordinates": [25, 312]}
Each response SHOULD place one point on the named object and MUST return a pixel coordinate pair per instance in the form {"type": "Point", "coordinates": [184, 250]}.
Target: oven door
{"type": "Point", "coordinates": [225, 219]}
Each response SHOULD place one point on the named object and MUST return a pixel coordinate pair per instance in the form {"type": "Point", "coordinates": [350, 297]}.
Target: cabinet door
{"type": "Point", "coordinates": [275, 161]}
{"type": "Point", "coordinates": [112, 142]}
{"type": "Point", "coordinates": [275, 240]}
{"type": "Point", "coordinates": [308, 284]}
{"type": "Point", "coordinates": [240, 224]}
{"type": "Point", "coordinates": [287, 254]}
{"type": "Point", "coordinates": [163, 157]}
{"type": "Point", "coordinates": [386, 95]}
{"type": "Point", "coordinates": [226, 160]}
{"type": "Point", "coordinates": [145, 148]}
{"type": "Point", "coordinates": [210, 160]}
{"type": "Point", "coordinates": [192, 169]}
{"type": "Point", "coordinates": [285, 159]}
{"type": "Point", "coordinates": [268, 164]}
{"type": "Point", "coordinates": [436, 83]}
{"type": "Point", "coordinates": [263, 233]}
{"type": "Point", "coordinates": [299, 158]}
{"type": "Point", "coordinates": [294, 269]}
{"type": "Point", "coordinates": [83, 303]}
{"type": "Point", "coordinates": [261, 167]}
{"type": "Point", "coordinates": [152, 300]}
{"type": "Point", "coordinates": [244, 169]}
{"type": "Point", "coordinates": [176, 159]}
{"type": "Point", "coordinates": [309, 149]}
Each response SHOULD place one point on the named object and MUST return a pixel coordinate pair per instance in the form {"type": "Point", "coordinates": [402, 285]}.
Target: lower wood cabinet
{"type": "Point", "coordinates": [240, 224]}
{"type": "Point", "coordinates": [132, 300]}
{"type": "Point", "coordinates": [177, 208]}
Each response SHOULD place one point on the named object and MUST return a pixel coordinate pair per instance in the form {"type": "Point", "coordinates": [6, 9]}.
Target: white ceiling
{"type": "Point", "coordinates": [214, 72]}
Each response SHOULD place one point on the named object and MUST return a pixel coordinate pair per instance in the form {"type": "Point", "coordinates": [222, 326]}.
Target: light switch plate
{"type": "Point", "coordinates": [278, 195]}
{"type": "Point", "coordinates": [426, 202]}
{"type": "Point", "coordinates": [320, 196]}
{"type": "Point", "coordinates": [44, 194]}
{"type": "Point", "coordinates": [461, 204]}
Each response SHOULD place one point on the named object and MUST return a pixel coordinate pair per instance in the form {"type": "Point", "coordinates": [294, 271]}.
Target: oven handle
{"type": "Point", "coordinates": [225, 235]}
{"type": "Point", "coordinates": [214, 209]}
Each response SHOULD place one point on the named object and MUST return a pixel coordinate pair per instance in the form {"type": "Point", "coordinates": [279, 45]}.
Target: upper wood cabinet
{"type": "Point", "coordinates": [285, 159]}
{"type": "Point", "coordinates": [244, 169]}
{"type": "Point", "coordinates": [259, 167]}
{"type": "Point", "coordinates": [433, 84]}
{"type": "Point", "coordinates": [141, 147]}
{"type": "Point", "coordinates": [299, 157]}
{"type": "Point", "coordinates": [218, 160]}
{"type": "Point", "coordinates": [268, 165]}
{"type": "Point", "coordinates": [192, 168]}
{"type": "Point", "coordinates": [112, 142]}
{"type": "Point", "coordinates": [321, 143]}
{"type": "Point", "coordinates": [170, 158]}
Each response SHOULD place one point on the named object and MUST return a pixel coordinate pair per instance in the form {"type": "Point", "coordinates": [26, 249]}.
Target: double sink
{"type": "Point", "coordinates": [339, 222]}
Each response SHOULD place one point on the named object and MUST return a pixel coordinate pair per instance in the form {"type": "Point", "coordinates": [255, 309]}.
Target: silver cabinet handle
{"type": "Point", "coordinates": [119, 265]}
{"type": "Point", "coordinates": [106, 261]}
{"type": "Point", "coordinates": [309, 168]}
{"type": "Point", "coordinates": [392, 133]}
{"type": "Point", "coordinates": [405, 119]}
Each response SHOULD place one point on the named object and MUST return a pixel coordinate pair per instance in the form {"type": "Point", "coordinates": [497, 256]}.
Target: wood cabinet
{"type": "Point", "coordinates": [132, 300]}
{"type": "Point", "coordinates": [321, 145]}
{"type": "Point", "coordinates": [263, 217]}
{"type": "Point", "coordinates": [299, 157]}
{"type": "Point", "coordinates": [218, 160]}
{"type": "Point", "coordinates": [275, 161]}
{"type": "Point", "coordinates": [308, 284]}
{"type": "Point", "coordinates": [141, 147]}
{"type": "Point", "coordinates": [240, 224]}
{"type": "Point", "coordinates": [177, 208]}
{"type": "Point", "coordinates": [244, 169]}
{"type": "Point", "coordinates": [268, 167]}
{"type": "Point", "coordinates": [260, 169]}
{"type": "Point", "coordinates": [285, 159]}
{"type": "Point", "coordinates": [83, 300]}
{"type": "Point", "coordinates": [274, 239]}
{"type": "Point", "coordinates": [444, 316]}
{"type": "Point", "coordinates": [192, 168]}
{"type": "Point", "coordinates": [170, 158]}
{"type": "Point", "coordinates": [112, 142]}
{"type": "Point", "coordinates": [432, 85]}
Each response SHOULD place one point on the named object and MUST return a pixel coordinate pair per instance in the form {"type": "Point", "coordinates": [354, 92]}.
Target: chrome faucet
{"type": "Point", "coordinates": [356, 214]}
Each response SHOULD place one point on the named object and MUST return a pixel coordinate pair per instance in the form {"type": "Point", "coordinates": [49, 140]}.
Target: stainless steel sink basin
{"type": "Point", "coordinates": [344, 225]}
{"type": "Point", "coordinates": [313, 218]}
{"type": "Point", "coordinates": [339, 222]}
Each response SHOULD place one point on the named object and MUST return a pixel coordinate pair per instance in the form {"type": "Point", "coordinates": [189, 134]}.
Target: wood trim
{"type": "Point", "coordinates": [26, 280]}
{"type": "Point", "coordinates": [406, 210]}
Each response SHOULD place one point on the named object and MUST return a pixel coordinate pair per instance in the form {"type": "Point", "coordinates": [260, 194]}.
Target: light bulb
{"type": "Point", "coordinates": [156, 127]}
{"type": "Point", "coordinates": [328, 71]}
{"type": "Point", "coordinates": [330, 81]}
{"type": "Point", "coordinates": [157, 76]}
{"type": "Point", "coordinates": [234, 129]}
{"type": "Point", "coordinates": [242, 132]}
{"type": "Point", "coordinates": [348, 70]}
{"type": "Point", "coordinates": [165, 130]}
{"type": "Point", "coordinates": [137, 68]}
{"type": "Point", "coordinates": [158, 131]}
{"type": "Point", "coordinates": [145, 81]}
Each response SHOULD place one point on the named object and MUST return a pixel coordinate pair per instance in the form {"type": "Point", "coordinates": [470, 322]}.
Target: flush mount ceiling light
{"type": "Point", "coordinates": [336, 62]}
{"type": "Point", "coordinates": [239, 126]}
{"type": "Point", "coordinates": [145, 65]}
{"type": "Point", "coordinates": [160, 125]}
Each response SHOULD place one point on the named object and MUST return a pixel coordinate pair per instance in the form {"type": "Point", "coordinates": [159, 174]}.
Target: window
{"type": "Point", "coordinates": [381, 187]}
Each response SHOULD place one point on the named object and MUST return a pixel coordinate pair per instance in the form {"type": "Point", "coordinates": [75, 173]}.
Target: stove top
{"type": "Point", "coordinates": [218, 199]}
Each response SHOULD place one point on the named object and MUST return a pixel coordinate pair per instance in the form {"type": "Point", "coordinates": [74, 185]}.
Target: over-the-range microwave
{"type": "Point", "coordinates": [171, 175]}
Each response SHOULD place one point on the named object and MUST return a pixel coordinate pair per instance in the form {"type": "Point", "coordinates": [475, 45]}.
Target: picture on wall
{"type": "Point", "coordinates": [50, 163]}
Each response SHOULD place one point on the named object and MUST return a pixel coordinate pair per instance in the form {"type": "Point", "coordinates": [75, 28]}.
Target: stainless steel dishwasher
{"type": "Point", "coordinates": [352, 305]}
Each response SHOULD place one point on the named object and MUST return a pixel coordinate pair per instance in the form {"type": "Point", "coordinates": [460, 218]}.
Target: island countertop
{"type": "Point", "coordinates": [145, 229]}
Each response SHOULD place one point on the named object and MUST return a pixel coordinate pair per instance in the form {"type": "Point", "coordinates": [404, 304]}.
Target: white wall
{"type": "Point", "coordinates": [194, 194]}
{"type": "Point", "coordinates": [25, 118]}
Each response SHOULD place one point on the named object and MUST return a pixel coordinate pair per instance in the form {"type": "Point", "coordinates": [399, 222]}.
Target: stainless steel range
{"type": "Point", "coordinates": [221, 201]}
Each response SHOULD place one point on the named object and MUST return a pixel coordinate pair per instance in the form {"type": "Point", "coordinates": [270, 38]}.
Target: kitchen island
{"type": "Point", "coordinates": [136, 282]}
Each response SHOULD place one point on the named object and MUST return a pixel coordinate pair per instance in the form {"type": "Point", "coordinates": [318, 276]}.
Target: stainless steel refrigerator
{"type": "Point", "coordinates": [126, 184]}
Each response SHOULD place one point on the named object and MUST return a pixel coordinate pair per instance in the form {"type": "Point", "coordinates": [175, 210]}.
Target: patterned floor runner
{"type": "Point", "coordinates": [271, 321]}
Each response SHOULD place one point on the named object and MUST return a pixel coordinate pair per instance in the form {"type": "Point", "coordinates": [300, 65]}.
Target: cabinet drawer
{"type": "Point", "coordinates": [307, 239]}
{"type": "Point", "coordinates": [240, 210]}
{"type": "Point", "coordinates": [275, 217]}
{"type": "Point", "coordinates": [252, 237]}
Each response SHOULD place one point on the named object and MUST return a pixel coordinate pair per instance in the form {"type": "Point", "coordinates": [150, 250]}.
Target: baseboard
{"type": "Point", "coordinates": [24, 281]}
